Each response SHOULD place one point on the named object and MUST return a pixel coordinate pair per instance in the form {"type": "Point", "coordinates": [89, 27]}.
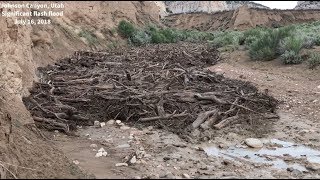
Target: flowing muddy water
{"type": "Point", "coordinates": [273, 156]}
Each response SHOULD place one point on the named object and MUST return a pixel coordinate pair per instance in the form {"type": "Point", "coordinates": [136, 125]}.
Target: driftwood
{"type": "Point", "coordinates": [202, 117]}
{"type": "Point", "coordinates": [167, 116]}
{"type": "Point", "coordinates": [210, 121]}
{"type": "Point", "coordinates": [226, 122]}
{"type": "Point", "coordinates": [163, 85]}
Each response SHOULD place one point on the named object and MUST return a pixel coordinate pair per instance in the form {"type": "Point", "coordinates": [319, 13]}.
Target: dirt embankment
{"type": "Point", "coordinates": [241, 19]}
{"type": "Point", "coordinates": [85, 25]}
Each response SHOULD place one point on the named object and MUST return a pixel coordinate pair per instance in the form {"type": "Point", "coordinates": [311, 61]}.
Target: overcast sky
{"type": "Point", "coordinates": [278, 4]}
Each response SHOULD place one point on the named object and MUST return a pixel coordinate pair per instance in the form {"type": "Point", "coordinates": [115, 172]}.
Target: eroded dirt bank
{"type": "Point", "coordinates": [25, 154]}
{"type": "Point", "coordinates": [243, 18]}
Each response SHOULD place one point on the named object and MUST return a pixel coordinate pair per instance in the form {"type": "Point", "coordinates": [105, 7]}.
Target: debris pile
{"type": "Point", "coordinates": [164, 85]}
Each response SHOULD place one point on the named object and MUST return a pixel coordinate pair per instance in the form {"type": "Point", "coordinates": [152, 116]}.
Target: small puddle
{"type": "Point", "coordinates": [272, 156]}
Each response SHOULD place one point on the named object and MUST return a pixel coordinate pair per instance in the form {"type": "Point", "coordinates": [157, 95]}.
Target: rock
{"type": "Point", "coordinates": [147, 156]}
{"type": "Point", "coordinates": [313, 166]}
{"type": "Point", "coordinates": [102, 124]}
{"type": "Point", "coordinates": [123, 146]}
{"type": "Point", "coordinates": [170, 176]}
{"type": "Point", "coordinates": [118, 121]}
{"type": "Point", "coordinates": [130, 137]}
{"type": "Point", "coordinates": [175, 156]}
{"type": "Point", "coordinates": [109, 140]}
{"type": "Point", "coordinates": [110, 122]}
{"type": "Point", "coordinates": [93, 146]}
{"type": "Point", "coordinates": [140, 154]}
{"type": "Point", "coordinates": [104, 153]}
{"type": "Point", "coordinates": [101, 150]}
{"type": "Point", "coordinates": [185, 175]}
{"type": "Point", "coordinates": [99, 154]}
{"type": "Point", "coordinates": [136, 177]}
{"type": "Point", "coordinates": [124, 127]}
{"type": "Point", "coordinates": [76, 162]}
{"type": "Point", "coordinates": [121, 164]}
{"type": "Point", "coordinates": [318, 87]}
{"type": "Point", "coordinates": [254, 143]}
{"type": "Point", "coordinates": [133, 160]}
{"type": "Point", "coordinates": [150, 128]}
{"type": "Point", "coordinates": [96, 124]}
{"type": "Point", "coordinates": [121, 124]}
{"type": "Point", "coordinates": [162, 174]}
{"type": "Point", "coordinates": [87, 135]}
{"type": "Point", "coordinates": [290, 169]}
{"type": "Point", "coordinates": [56, 131]}
{"type": "Point", "coordinates": [226, 162]}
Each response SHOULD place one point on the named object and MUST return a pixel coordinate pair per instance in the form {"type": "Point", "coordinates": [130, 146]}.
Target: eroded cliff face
{"type": "Point", "coordinates": [176, 7]}
{"type": "Point", "coordinates": [196, 6]}
{"type": "Point", "coordinates": [23, 48]}
{"type": "Point", "coordinates": [241, 19]}
{"type": "Point", "coordinates": [308, 5]}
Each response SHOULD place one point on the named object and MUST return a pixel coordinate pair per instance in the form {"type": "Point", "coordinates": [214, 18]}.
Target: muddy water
{"type": "Point", "coordinates": [273, 154]}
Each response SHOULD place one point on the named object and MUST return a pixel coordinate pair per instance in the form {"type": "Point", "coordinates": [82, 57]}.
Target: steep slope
{"type": "Point", "coordinates": [177, 7]}
{"type": "Point", "coordinates": [308, 5]}
{"type": "Point", "coordinates": [242, 18]}
{"type": "Point", "coordinates": [85, 25]}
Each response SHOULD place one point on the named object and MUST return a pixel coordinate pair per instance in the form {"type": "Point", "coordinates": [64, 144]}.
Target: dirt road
{"type": "Point", "coordinates": [290, 143]}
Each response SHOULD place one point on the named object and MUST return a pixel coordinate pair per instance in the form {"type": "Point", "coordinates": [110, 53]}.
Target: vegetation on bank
{"type": "Point", "coordinates": [263, 44]}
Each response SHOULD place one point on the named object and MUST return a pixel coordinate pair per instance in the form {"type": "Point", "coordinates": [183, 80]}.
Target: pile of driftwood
{"type": "Point", "coordinates": [161, 85]}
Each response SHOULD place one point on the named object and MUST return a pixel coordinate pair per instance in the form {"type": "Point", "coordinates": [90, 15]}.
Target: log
{"type": "Point", "coordinates": [209, 122]}
{"type": "Point", "coordinates": [77, 81]}
{"type": "Point", "coordinates": [76, 100]}
{"type": "Point", "coordinates": [160, 109]}
{"type": "Point", "coordinates": [202, 117]}
{"type": "Point", "coordinates": [52, 122]}
{"type": "Point", "coordinates": [167, 116]}
{"type": "Point", "coordinates": [211, 98]}
{"type": "Point", "coordinates": [226, 122]}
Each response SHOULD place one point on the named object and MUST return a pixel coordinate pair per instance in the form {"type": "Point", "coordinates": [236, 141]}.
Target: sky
{"type": "Point", "coordinates": [278, 4]}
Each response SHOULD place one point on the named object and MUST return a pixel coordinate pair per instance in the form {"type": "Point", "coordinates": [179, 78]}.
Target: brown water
{"type": "Point", "coordinates": [273, 156]}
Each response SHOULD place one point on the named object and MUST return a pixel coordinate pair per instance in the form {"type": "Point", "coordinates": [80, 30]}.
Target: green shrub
{"type": "Point", "coordinates": [126, 29]}
{"type": "Point", "coordinates": [317, 40]}
{"type": "Point", "coordinates": [290, 57]}
{"type": "Point", "coordinates": [251, 35]}
{"type": "Point", "coordinates": [291, 43]}
{"type": "Point", "coordinates": [169, 34]}
{"type": "Point", "coordinates": [314, 60]}
{"type": "Point", "coordinates": [267, 46]}
{"type": "Point", "coordinates": [113, 45]}
{"type": "Point", "coordinates": [157, 37]}
{"type": "Point", "coordinates": [90, 37]}
{"type": "Point", "coordinates": [221, 39]}
{"type": "Point", "coordinates": [140, 38]}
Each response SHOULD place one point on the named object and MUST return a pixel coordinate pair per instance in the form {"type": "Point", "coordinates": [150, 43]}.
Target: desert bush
{"type": "Point", "coordinates": [126, 29]}
{"type": "Point", "coordinates": [267, 46]}
{"type": "Point", "coordinates": [113, 45]}
{"type": "Point", "coordinates": [314, 60]}
{"type": "Point", "coordinates": [291, 43]}
{"type": "Point", "coordinates": [317, 40]}
{"type": "Point", "coordinates": [157, 37]}
{"type": "Point", "coordinates": [249, 36]}
{"type": "Point", "coordinates": [221, 39]}
{"type": "Point", "coordinates": [290, 57]}
{"type": "Point", "coordinates": [90, 37]}
{"type": "Point", "coordinates": [139, 38]}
